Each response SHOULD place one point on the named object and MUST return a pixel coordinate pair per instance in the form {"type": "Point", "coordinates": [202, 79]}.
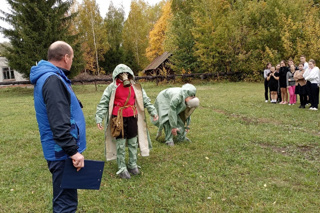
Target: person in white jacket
{"type": "Point", "coordinates": [312, 74]}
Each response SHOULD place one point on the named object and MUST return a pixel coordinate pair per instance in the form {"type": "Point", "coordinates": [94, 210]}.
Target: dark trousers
{"type": "Point", "coordinates": [266, 88]}
{"type": "Point", "coordinates": [130, 127]}
{"type": "Point", "coordinates": [314, 95]}
{"type": "Point", "coordinates": [64, 200]}
{"type": "Point", "coordinates": [279, 92]}
{"type": "Point", "coordinates": [308, 89]}
{"type": "Point", "coordinates": [303, 99]}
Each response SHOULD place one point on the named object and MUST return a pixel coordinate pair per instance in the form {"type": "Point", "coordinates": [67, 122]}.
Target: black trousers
{"type": "Point", "coordinates": [308, 89]}
{"type": "Point", "coordinates": [303, 99]}
{"type": "Point", "coordinates": [314, 95]}
{"type": "Point", "coordinates": [266, 89]}
{"type": "Point", "coordinates": [279, 92]}
{"type": "Point", "coordinates": [130, 127]}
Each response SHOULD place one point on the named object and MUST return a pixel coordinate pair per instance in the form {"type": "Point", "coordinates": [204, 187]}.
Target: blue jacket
{"type": "Point", "coordinates": [60, 118]}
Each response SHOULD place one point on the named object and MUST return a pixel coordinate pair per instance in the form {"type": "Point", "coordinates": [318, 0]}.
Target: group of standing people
{"type": "Point", "coordinates": [302, 80]}
{"type": "Point", "coordinates": [62, 123]}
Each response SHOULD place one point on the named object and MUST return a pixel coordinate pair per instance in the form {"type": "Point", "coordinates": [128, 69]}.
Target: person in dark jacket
{"type": "Point", "coordinates": [60, 119]}
{"type": "Point", "coordinates": [283, 82]}
{"type": "Point", "coordinates": [273, 79]}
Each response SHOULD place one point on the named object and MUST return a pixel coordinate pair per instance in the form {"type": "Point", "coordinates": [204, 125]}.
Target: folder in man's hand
{"type": "Point", "coordinates": [89, 177]}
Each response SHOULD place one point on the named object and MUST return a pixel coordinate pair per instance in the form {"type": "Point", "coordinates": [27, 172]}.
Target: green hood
{"type": "Point", "coordinates": [121, 68]}
{"type": "Point", "coordinates": [189, 90]}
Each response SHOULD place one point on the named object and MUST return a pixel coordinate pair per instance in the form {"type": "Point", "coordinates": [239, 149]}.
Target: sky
{"type": "Point", "coordinates": [103, 7]}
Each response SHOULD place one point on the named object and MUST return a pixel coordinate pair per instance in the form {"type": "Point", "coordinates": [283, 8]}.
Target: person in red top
{"type": "Point", "coordinates": [124, 102]}
{"type": "Point", "coordinates": [120, 99]}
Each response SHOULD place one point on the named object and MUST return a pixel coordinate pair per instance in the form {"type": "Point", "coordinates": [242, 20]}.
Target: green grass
{"type": "Point", "coordinates": [246, 156]}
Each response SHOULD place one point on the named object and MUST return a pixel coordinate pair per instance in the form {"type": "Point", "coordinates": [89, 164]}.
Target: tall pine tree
{"type": "Point", "coordinates": [35, 25]}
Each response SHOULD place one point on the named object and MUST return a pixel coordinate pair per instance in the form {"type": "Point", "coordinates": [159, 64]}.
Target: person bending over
{"type": "Point", "coordinates": [175, 106]}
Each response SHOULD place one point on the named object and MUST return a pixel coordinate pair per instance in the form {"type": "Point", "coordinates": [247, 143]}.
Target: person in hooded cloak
{"type": "Point", "coordinates": [124, 100]}
{"type": "Point", "coordinates": [174, 107]}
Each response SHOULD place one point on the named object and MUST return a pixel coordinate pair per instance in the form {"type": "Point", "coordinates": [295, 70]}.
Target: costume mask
{"type": "Point", "coordinates": [124, 77]}
{"type": "Point", "coordinates": [193, 103]}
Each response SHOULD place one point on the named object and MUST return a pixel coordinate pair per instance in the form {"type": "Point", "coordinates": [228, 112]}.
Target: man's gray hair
{"type": "Point", "coordinates": [58, 50]}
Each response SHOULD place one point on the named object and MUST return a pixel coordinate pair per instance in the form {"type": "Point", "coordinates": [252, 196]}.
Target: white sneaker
{"type": "Point", "coordinates": [311, 108]}
{"type": "Point", "coordinates": [266, 101]}
{"type": "Point", "coordinates": [289, 104]}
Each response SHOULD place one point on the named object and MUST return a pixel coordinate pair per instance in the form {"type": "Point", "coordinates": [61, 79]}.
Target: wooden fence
{"type": "Point", "coordinates": [157, 78]}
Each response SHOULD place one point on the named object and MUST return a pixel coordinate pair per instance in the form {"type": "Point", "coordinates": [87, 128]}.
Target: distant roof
{"type": "Point", "coordinates": [158, 61]}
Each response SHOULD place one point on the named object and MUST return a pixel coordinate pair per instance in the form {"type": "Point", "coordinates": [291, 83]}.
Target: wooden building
{"type": "Point", "coordinates": [159, 66]}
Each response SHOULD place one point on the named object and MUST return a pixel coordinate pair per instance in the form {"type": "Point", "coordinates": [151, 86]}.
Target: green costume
{"type": "Point", "coordinates": [173, 111]}
{"type": "Point", "coordinates": [115, 149]}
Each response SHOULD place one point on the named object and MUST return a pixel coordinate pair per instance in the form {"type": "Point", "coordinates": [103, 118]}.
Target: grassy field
{"type": "Point", "coordinates": [245, 156]}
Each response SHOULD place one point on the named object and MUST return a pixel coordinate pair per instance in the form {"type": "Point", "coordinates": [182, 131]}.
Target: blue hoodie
{"type": "Point", "coordinates": [62, 130]}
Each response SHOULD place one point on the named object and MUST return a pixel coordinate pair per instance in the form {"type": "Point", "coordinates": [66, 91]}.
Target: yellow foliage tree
{"type": "Point", "coordinates": [157, 35]}
{"type": "Point", "coordinates": [309, 44]}
{"type": "Point", "coordinates": [93, 37]}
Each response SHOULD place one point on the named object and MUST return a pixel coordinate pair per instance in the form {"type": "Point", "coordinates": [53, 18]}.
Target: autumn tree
{"type": "Point", "coordinates": [308, 43]}
{"type": "Point", "coordinates": [157, 34]}
{"type": "Point", "coordinates": [179, 39]}
{"type": "Point", "coordinates": [242, 36]}
{"type": "Point", "coordinates": [93, 34]}
{"type": "Point", "coordinates": [210, 32]}
{"type": "Point", "coordinates": [136, 32]}
{"type": "Point", "coordinates": [35, 25]}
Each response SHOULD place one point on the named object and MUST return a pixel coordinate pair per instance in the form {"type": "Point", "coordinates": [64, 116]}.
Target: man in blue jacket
{"type": "Point", "coordinates": [60, 119]}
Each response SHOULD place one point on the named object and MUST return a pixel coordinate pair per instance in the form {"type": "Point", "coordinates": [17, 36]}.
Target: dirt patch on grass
{"type": "Point", "coordinates": [254, 121]}
{"type": "Point", "coordinates": [306, 148]}
{"type": "Point", "coordinates": [220, 111]}
{"type": "Point", "coordinates": [281, 150]}
{"type": "Point", "coordinates": [248, 120]}
{"type": "Point", "coordinates": [309, 152]}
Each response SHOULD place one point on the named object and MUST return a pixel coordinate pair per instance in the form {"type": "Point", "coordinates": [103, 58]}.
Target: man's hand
{"type": "Point", "coordinates": [155, 118]}
{"type": "Point", "coordinates": [100, 126]}
{"type": "Point", "coordinates": [174, 131]}
{"type": "Point", "coordinates": [78, 161]}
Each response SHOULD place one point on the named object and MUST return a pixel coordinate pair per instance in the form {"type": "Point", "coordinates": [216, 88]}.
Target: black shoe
{"type": "Point", "coordinates": [125, 175]}
{"type": "Point", "coordinates": [134, 171]}
{"type": "Point", "coordinates": [302, 106]}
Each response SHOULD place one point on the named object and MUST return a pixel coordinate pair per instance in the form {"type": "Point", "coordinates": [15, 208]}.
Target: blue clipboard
{"type": "Point", "coordinates": [89, 177]}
